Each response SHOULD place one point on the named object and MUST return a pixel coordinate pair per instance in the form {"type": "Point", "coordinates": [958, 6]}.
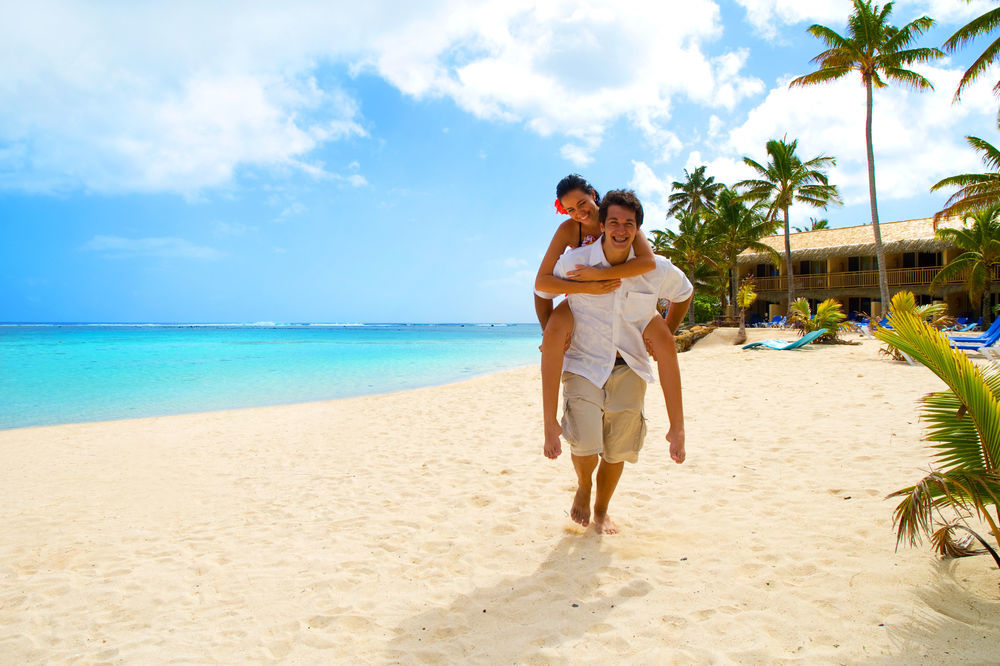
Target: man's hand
{"type": "Point", "coordinates": [675, 436]}
{"type": "Point", "coordinates": [553, 444]}
{"type": "Point", "coordinates": [601, 287]}
{"type": "Point", "coordinates": [649, 348]}
{"type": "Point", "coordinates": [585, 273]}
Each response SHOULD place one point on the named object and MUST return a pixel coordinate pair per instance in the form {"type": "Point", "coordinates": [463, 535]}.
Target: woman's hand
{"type": "Point", "coordinates": [585, 273]}
{"type": "Point", "coordinates": [600, 287]}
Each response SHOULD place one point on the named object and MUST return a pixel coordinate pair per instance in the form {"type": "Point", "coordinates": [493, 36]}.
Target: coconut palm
{"type": "Point", "coordinates": [880, 52]}
{"type": "Point", "coordinates": [814, 225]}
{"type": "Point", "coordinates": [964, 428]}
{"type": "Point", "coordinates": [695, 193]}
{"type": "Point", "coordinates": [692, 248]}
{"type": "Point", "coordinates": [976, 190]}
{"type": "Point", "coordinates": [829, 315]}
{"type": "Point", "coordinates": [981, 256]}
{"type": "Point", "coordinates": [981, 25]}
{"type": "Point", "coordinates": [738, 227]}
{"type": "Point", "coordinates": [785, 180]}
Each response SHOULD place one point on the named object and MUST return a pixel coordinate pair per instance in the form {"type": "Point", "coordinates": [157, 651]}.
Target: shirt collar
{"type": "Point", "coordinates": [597, 257]}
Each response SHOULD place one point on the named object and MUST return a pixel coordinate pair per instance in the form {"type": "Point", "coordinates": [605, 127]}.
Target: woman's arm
{"type": "Point", "coordinates": [546, 282]}
{"type": "Point", "coordinates": [643, 262]}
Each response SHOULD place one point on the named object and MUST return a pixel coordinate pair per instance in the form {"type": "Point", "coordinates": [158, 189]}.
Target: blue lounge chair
{"type": "Point", "coordinates": [986, 346]}
{"type": "Point", "coordinates": [969, 339]}
{"type": "Point", "coordinates": [959, 325]}
{"type": "Point", "coordinates": [785, 345]}
{"type": "Point", "coordinates": [970, 327]}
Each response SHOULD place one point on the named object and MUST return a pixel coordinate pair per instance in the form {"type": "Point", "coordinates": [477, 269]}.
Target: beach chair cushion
{"type": "Point", "coordinates": [785, 345]}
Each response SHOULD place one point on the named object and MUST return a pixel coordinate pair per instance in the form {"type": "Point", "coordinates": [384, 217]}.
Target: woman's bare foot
{"type": "Point", "coordinates": [580, 512]}
{"type": "Point", "coordinates": [603, 524]}
{"type": "Point", "coordinates": [553, 445]}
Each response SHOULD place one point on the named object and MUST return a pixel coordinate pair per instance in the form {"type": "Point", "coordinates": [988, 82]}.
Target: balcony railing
{"type": "Point", "coordinates": [897, 277]}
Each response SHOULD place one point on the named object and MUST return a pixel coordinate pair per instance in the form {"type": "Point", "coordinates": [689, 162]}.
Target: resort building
{"type": "Point", "coordinates": [841, 264]}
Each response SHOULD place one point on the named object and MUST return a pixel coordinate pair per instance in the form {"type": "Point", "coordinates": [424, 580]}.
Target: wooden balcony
{"type": "Point", "coordinates": [897, 277]}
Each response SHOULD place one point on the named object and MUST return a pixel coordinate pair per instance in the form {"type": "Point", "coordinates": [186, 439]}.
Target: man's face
{"type": "Point", "coordinates": [580, 206]}
{"type": "Point", "coordinates": [619, 228]}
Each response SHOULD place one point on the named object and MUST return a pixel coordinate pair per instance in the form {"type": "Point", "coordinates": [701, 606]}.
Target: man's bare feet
{"type": "Point", "coordinates": [580, 512]}
{"type": "Point", "coordinates": [553, 445]}
{"type": "Point", "coordinates": [603, 524]}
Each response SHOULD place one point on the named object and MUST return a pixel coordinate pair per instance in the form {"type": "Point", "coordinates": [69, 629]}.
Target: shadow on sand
{"type": "Point", "coordinates": [521, 616]}
{"type": "Point", "coordinates": [953, 624]}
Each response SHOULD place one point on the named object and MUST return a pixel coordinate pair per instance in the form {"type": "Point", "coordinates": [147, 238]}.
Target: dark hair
{"type": "Point", "coordinates": [625, 199]}
{"type": "Point", "coordinates": [575, 181]}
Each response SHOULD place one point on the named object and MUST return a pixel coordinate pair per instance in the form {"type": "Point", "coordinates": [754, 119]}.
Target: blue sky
{"type": "Point", "coordinates": [397, 161]}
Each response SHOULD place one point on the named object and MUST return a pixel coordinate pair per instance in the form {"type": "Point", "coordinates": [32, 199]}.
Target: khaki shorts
{"type": "Point", "coordinates": [606, 420]}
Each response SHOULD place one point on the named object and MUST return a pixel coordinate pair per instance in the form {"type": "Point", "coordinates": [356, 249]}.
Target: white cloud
{"type": "Point", "coordinates": [653, 192]}
{"type": "Point", "coordinates": [294, 208]}
{"type": "Point", "coordinates": [117, 247]}
{"type": "Point", "coordinates": [179, 97]}
{"type": "Point", "coordinates": [767, 16]}
{"type": "Point", "coordinates": [918, 136]}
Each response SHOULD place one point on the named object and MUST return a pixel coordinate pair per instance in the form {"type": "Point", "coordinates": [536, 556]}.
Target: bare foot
{"type": "Point", "coordinates": [580, 513]}
{"type": "Point", "coordinates": [603, 524]}
{"type": "Point", "coordinates": [553, 445]}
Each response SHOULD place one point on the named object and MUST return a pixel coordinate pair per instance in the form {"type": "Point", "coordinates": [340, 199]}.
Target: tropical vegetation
{"type": "Point", "coordinates": [745, 297]}
{"type": "Point", "coordinates": [815, 224]}
{"type": "Point", "coordinates": [963, 425]}
{"type": "Point", "coordinates": [692, 249]}
{"type": "Point", "coordinates": [981, 25]}
{"type": "Point", "coordinates": [695, 193]}
{"type": "Point", "coordinates": [980, 258]}
{"type": "Point", "coordinates": [881, 53]}
{"type": "Point", "coordinates": [738, 227]}
{"type": "Point", "coordinates": [785, 179]}
{"type": "Point", "coordinates": [976, 190]}
{"type": "Point", "coordinates": [829, 315]}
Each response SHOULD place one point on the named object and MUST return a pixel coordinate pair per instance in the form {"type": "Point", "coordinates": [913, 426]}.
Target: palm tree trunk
{"type": "Point", "coordinates": [788, 259]}
{"type": "Point", "coordinates": [731, 308]}
{"type": "Point", "coordinates": [883, 283]}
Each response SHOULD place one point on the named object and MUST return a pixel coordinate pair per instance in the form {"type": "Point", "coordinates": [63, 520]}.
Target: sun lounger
{"type": "Point", "coordinates": [970, 327]}
{"type": "Point", "coordinates": [987, 334]}
{"type": "Point", "coordinates": [785, 345]}
{"type": "Point", "coordinates": [987, 347]}
{"type": "Point", "coordinates": [959, 325]}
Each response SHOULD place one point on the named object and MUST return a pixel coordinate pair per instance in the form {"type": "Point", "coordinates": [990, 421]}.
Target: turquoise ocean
{"type": "Point", "coordinates": [69, 373]}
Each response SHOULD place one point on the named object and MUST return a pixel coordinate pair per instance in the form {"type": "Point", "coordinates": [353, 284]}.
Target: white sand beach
{"type": "Point", "coordinates": [427, 527]}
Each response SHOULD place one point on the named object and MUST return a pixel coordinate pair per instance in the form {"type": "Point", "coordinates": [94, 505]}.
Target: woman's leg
{"type": "Point", "coordinates": [660, 341]}
{"type": "Point", "coordinates": [555, 340]}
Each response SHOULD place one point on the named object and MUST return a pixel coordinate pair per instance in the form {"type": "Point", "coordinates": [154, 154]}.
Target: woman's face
{"type": "Point", "coordinates": [580, 206]}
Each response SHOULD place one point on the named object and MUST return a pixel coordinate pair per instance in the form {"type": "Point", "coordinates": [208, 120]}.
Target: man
{"type": "Point", "coordinates": [606, 366]}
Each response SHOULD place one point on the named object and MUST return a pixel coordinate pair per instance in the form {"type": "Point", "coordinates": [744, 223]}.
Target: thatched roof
{"type": "Point", "coordinates": [897, 237]}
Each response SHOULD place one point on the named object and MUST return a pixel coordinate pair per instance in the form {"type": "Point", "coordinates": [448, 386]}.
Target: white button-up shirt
{"type": "Point", "coordinates": [611, 324]}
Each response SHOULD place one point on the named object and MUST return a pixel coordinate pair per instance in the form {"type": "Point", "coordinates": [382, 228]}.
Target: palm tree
{"type": "Point", "coordinates": [698, 191]}
{"type": "Point", "coordinates": [738, 227]}
{"type": "Point", "coordinates": [976, 190]}
{"type": "Point", "coordinates": [692, 249]}
{"type": "Point", "coordinates": [879, 52]}
{"type": "Point", "coordinates": [977, 26]}
{"type": "Point", "coordinates": [981, 257]}
{"type": "Point", "coordinates": [815, 224]}
{"type": "Point", "coordinates": [786, 179]}
{"type": "Point", "coordinates": [964, 426]}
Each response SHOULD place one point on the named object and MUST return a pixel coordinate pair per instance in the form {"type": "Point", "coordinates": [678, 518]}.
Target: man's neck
{"type": "Point", "coordinates": [614, 257]}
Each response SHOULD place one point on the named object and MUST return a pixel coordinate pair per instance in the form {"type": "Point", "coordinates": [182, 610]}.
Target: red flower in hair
{"type": "Point", "coordinates": [560, 209]}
